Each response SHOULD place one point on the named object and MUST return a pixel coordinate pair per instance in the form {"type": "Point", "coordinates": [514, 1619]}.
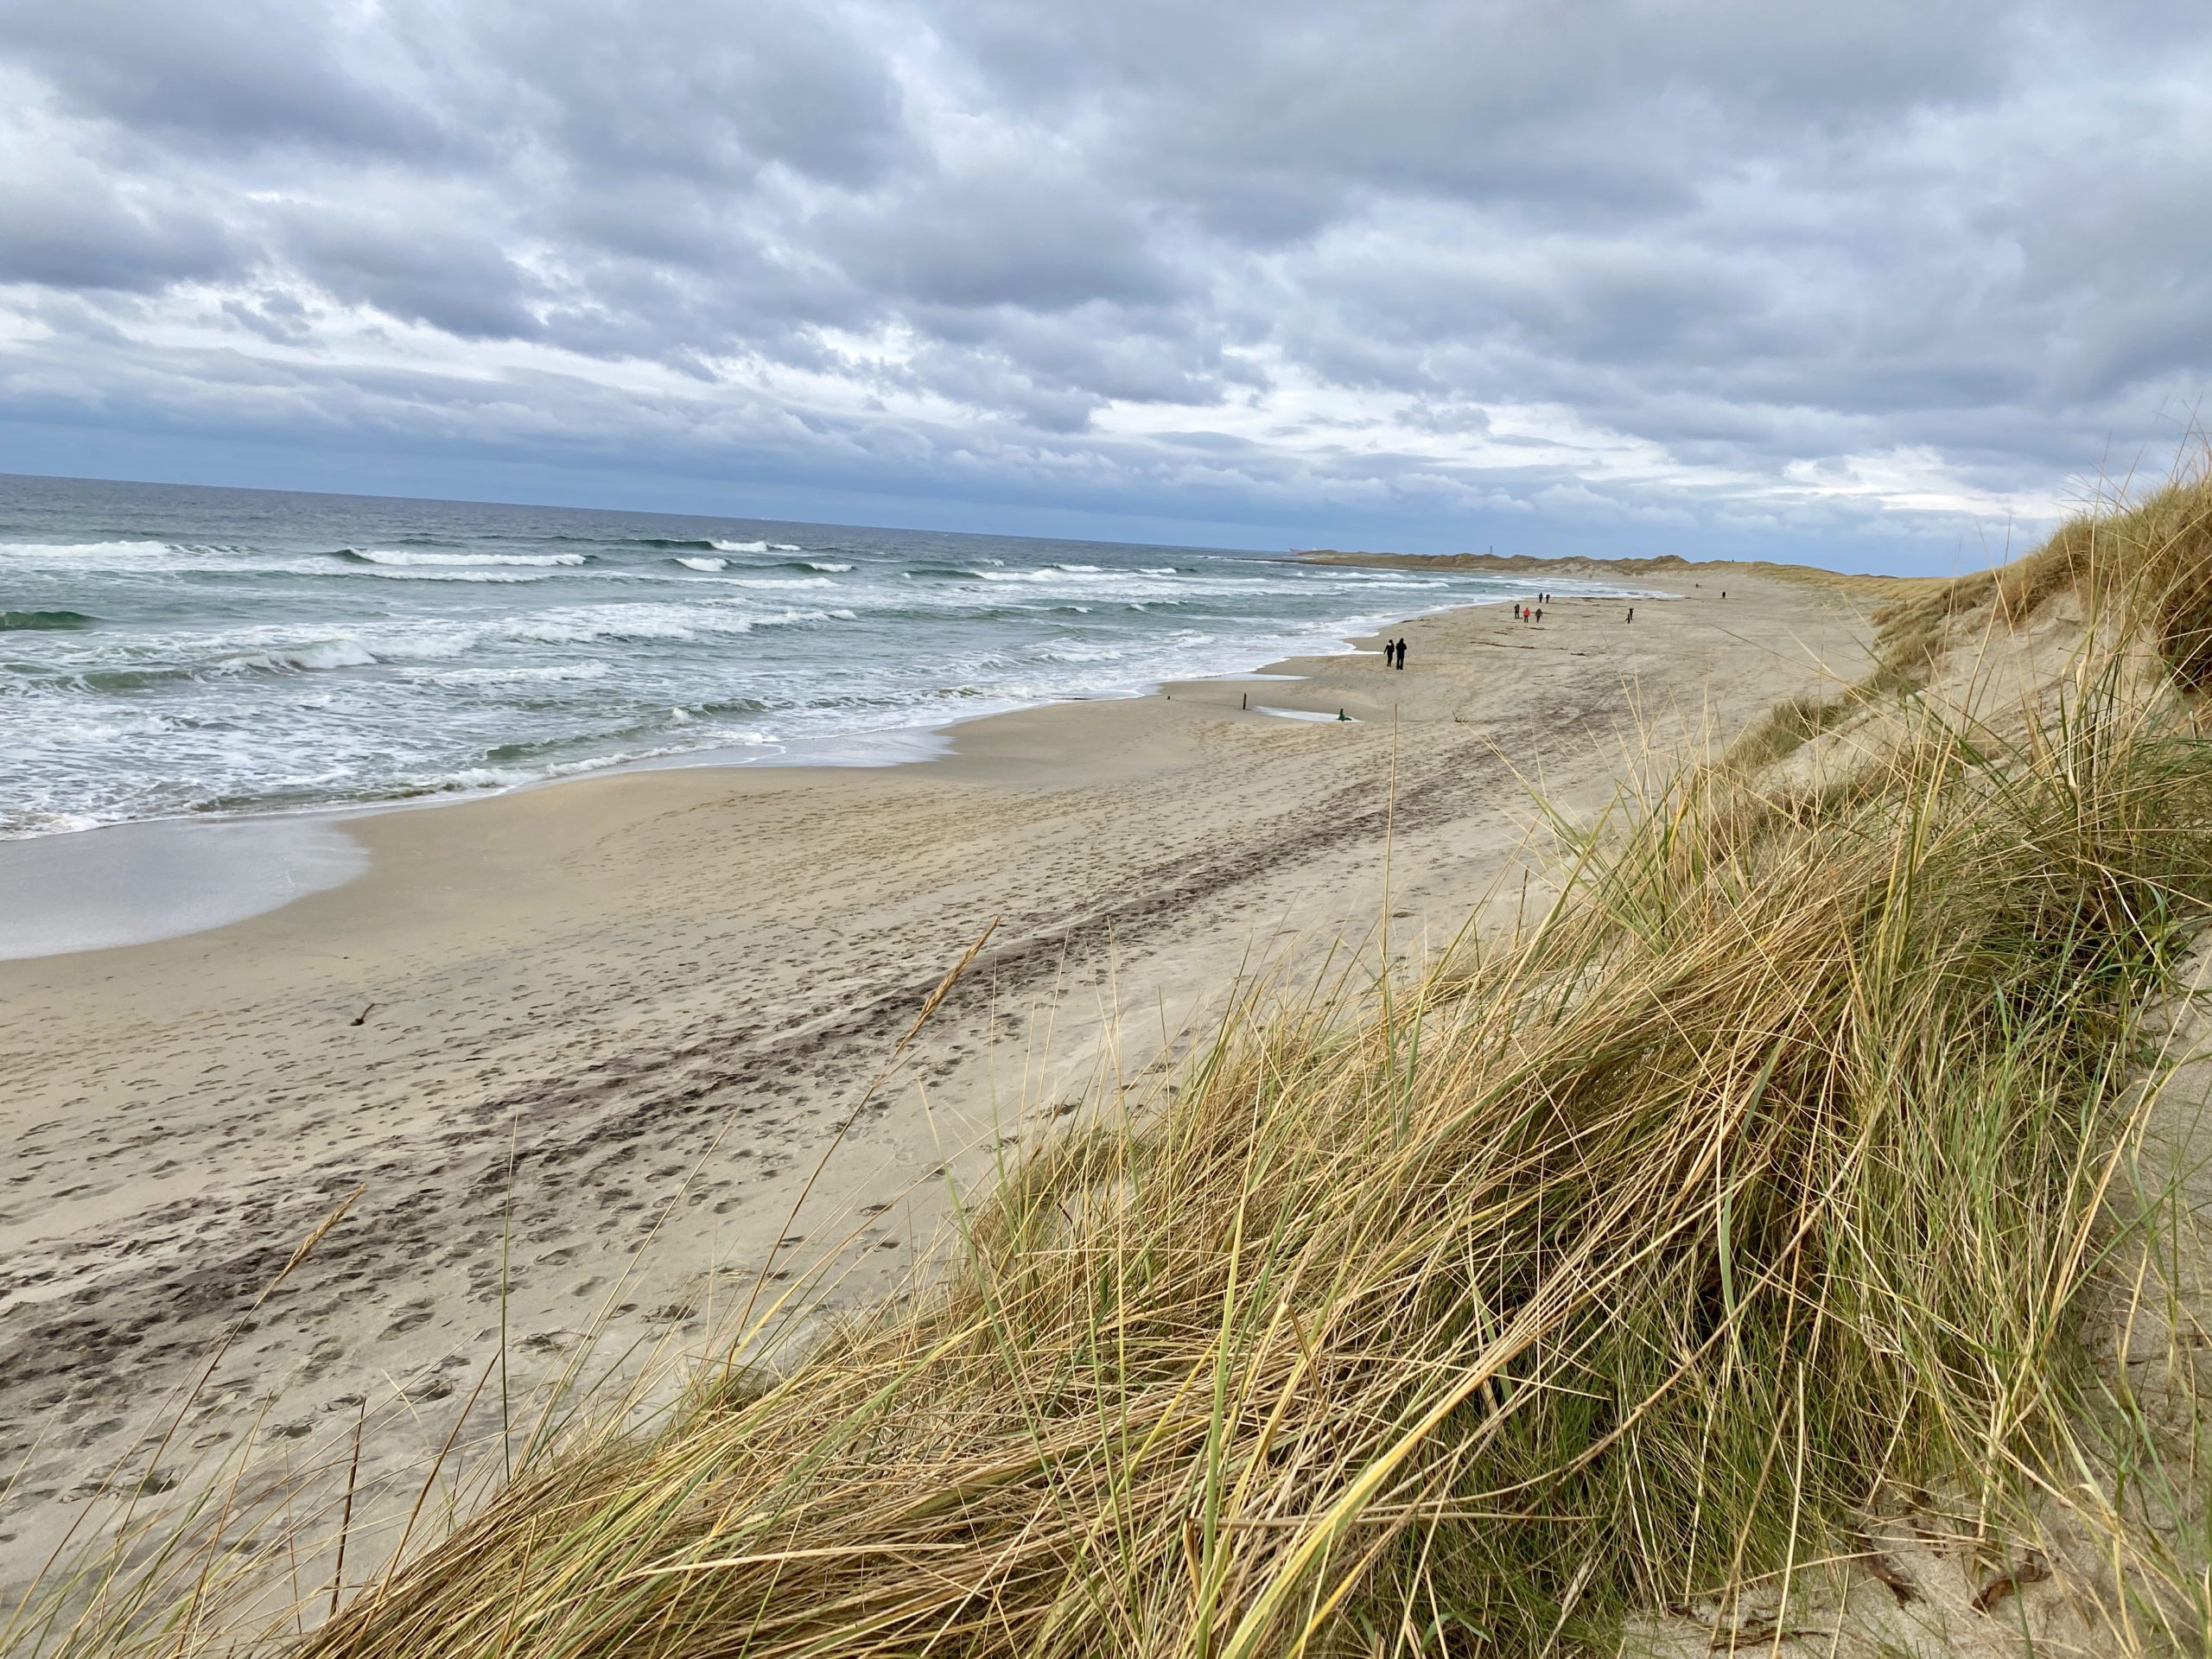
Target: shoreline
{"type": "Point", "coordinates": [581, 1050]}
{"type": "Point", "coordinates": [141, 881]}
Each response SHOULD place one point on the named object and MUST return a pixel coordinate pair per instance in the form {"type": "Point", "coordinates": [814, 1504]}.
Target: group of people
{"type": "Point", "coordinates": [1393, 651]}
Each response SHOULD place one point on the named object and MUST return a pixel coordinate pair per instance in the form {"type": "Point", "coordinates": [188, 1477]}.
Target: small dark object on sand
{"type": "Point", "coordinates": [2033, 1570]}
{"type": "Point", "coordinates": [361, 1016]}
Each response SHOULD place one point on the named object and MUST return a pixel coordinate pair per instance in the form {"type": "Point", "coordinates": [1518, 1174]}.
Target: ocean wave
{"type": "Point", "coordinates": [715, 545]}
{"type": "Point", "coordinates": [545, 674]}
{"type": "Point", "coordinates": [459, 575]}
{"type": "Point", "coordinates": [1073, 650]}
{"type": "Point", "coordinates": [1088, 573]}
{"type": "Point", "coordinates": [108, 726]}
{"type": "Point", "coordinates": [830, 565]}
{"type": "Point", "coordinates": [273, 650]}
{"type": "Point", "coordinates": [307, 658]}
{"type": "Point", "coordinates": [46, 621]}
{"type": "Point", "coordinates": [112, 555]}
{"type": "Point", "coordinates": [388, 556]}
{"type": "Point", "coordinates": [130, 679]}
{"type": "Point", "coordinates": [653, 622]}
{"type": "Point", "coordinates": [704, 564]}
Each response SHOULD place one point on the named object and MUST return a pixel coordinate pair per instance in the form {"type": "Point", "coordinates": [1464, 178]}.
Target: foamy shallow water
{"type": "Point", "coordinates": [133, 883]}
{"type": "Point", "coordinates": [1302, 714]}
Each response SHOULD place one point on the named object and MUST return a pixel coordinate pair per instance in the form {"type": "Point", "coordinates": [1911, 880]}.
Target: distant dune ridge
{"type": "Point", "coordinates": [1672, 565]}
{"type": "Point", "coordinates": [1767, 1225]}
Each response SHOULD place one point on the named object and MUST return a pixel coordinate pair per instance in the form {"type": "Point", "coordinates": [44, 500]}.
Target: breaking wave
{"type": "Point", "coordinates": [388, 556]}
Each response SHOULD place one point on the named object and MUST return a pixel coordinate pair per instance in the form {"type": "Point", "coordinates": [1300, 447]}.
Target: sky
{"type": "Point", "coordinates": [1882, 285]}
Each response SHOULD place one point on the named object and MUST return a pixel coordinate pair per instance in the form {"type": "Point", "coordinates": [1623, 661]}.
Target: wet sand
{"type": "Point", "coordinates": [578, 1048]}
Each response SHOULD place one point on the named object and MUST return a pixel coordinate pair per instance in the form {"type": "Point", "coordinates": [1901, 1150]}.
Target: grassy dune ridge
{"type": "Point", "coordinates": [1616, 1273]}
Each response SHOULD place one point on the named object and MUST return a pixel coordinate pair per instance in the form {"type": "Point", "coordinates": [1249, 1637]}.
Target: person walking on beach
{"type": "Point", "coordinates": [1401, 651]}
{"type": "Point", "coordinates": [1516, 610]}
{"type": "Point", "coordinates": [1631, 613]}
{"type": "Point", "coordinates": [1539, 612]}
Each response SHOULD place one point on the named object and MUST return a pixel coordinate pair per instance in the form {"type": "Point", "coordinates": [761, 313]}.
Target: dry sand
{"type": "Point", "coordinates": [543, 1025]}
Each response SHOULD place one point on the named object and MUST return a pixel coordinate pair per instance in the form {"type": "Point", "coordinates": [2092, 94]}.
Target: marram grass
{"type": "Point", "coordinates": [1600, 1269]}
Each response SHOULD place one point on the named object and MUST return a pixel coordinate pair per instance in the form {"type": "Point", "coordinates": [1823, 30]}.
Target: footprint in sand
{"type": "Point", "coordinates": [415, 1315]}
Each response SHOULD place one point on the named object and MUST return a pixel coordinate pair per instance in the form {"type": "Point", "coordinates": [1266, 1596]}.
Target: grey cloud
{"type": "Point", "coordinates": [689, 89]}
{"type": "Point", "coordinates": [276, 316]}
{"type": "Point", "coordinates": [463, 285]}
{"type": "Point", "coordinates": [1006, 230]}
{"type": "Point", "coordinates": [228, 73]}
{"type": "Point", "coordinates": [1747, 238]}
{"type": "Point", "coordinates": [71, 229]}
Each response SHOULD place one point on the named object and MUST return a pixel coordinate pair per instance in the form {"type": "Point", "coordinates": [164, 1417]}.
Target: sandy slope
{"type": "Point", "coordinates": [613, 985]}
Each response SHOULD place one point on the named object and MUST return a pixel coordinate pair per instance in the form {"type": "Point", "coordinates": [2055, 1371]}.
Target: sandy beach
{"type": "Point", "coordinates": [585, 1045]}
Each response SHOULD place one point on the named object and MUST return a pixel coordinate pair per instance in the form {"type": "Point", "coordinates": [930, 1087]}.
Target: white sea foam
{"type": "Point", "coordinates": [743, 547]}
{"type": "Point", "coordinates": [462, 575]}
{"type": "Point", "coordinates": [124, 557]}
{"type": "Point", "coordinates": [423, 644]}
{"type": "Point", "coordinates": [389, 556]}
{"type": "Point", "coordinates": [704, 564]}
{"type": "Point", "coordinates": [320, 654]}
{"type": "Point", "coordinates": [78, 552]}
{"type": "Point", "coordinates": [833, 568]}
{"type": "Point", "coordinates": [583, 624]}
{"type": "Point", "coordinates": [546, 674]}
{"type": "Point", "coordinates": [277, 647]}
{"type": "Point", "coordinates": [1069, 649]}
{"type": "Point", "coordinates": [109, 730]}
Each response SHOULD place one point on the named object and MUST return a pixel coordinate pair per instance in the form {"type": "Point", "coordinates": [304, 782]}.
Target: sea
{"type": "Point", "coordinates": [168, 650]}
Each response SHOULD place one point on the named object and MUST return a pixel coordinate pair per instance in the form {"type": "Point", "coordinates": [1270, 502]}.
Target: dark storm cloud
{"type": "Point", "coordinates": [1611, 271]}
